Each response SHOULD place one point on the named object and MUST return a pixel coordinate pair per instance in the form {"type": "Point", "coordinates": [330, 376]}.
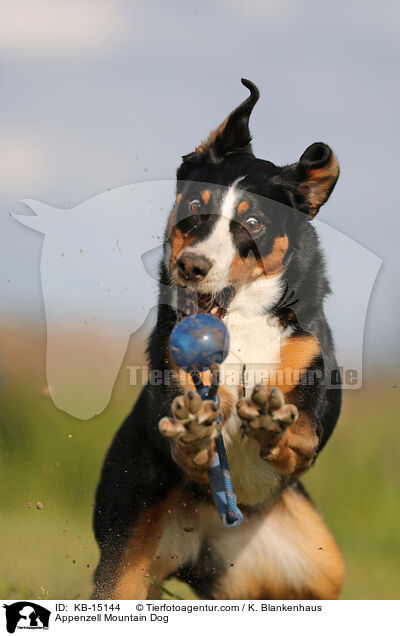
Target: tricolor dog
{"type": "Point", "coordinates": [240, 244]}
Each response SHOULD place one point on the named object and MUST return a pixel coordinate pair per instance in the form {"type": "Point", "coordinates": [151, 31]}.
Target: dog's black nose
{"type": "Point", "coordinates": [193, 266]}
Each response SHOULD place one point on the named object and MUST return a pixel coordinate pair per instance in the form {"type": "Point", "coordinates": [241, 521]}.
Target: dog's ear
{"type": "Point", "coordinates": [311, 180]}
{"type": "Point", "coordinates": [232, 135]}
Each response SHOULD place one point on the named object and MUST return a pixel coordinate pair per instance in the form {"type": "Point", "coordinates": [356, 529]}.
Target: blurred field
{"type": "Point", "coordinates": [48, 456]}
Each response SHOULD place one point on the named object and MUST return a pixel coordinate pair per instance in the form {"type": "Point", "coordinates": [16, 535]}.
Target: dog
{"type": "Point", "coordinates": [239, 244]}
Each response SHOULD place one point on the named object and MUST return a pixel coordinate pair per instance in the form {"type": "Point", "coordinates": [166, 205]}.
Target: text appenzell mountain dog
{"type": "Point", "coordinates": [239, 243]}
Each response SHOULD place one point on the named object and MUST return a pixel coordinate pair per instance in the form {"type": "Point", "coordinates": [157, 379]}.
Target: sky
{"type": "Point", "coordinates": [97, 94]}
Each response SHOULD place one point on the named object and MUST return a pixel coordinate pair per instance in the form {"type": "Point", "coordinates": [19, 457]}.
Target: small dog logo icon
{"type": "Point", "coordinates": [26, 615]}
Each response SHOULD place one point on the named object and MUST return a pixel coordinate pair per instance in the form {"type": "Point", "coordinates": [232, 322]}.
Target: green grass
{"type": "Point", "coordinates": [355, 482]}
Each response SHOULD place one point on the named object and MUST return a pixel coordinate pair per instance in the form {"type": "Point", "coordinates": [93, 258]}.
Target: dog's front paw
{"type": "Point", "coordinates": [265, 417]}
{"type": "Point", "coordinates": [192, 427]}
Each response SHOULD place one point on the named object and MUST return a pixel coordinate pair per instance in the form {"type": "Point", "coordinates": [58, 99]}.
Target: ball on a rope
{"type": "Point", "coordinates": [198, 341]}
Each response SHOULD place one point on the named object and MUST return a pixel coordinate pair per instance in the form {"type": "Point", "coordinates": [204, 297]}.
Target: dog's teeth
{"type": "Point", "coordinates": [214, 310]}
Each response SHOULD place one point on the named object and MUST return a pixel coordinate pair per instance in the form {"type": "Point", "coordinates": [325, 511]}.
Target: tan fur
{"type": "Point", "coordinates": [177, 239]}
{"type": "Point", "coordinates": [218, 132]}
{"type": "Point", "coordinates": [172, 217]}
{"type": "Point", "coordinates": [246, 270]}
{"type": "Point", "coordinates": [319, 183]}
{"type": "Point", "coordinates": [272, 263]}
{"type": "Point", "coordinates": [206, 195]}
{"type": "Point", "coordinates": [243, 207]}
{"type": "Point", "coordinates": [291, 555]}
{"type": "Point", "coordinates": [297, 355]}
{"type": "Point", "coordinates": [183, 456]}
{"type": "Point", "coordinates": [296, 449]}
{"type": "Point", "coordinates": [179, 242]}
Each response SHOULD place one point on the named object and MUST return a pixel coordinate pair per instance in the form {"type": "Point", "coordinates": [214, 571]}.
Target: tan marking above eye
{"type": "Point", "coordinates": [206, 195]}
{"type": "Point", "coordinates": [243, 207]}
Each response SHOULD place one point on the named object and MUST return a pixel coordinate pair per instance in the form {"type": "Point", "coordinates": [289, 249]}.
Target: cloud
{"type": "Point", "coordinates": [45, 26]}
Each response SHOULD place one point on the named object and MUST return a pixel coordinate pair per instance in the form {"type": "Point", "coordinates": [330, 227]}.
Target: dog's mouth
{"type": "Point", "coordinates": [189, 302]}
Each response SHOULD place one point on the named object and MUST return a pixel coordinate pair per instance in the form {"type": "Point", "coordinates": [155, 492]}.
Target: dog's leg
{"type": "Point", "coordinates": [287, 437]}
{"type": "Point", "coordinates": [289, 434]}
{"type": "Point", "coordinates": [105, 575]}
{"type": "Point", "coordinates": [192, 429]}
{"type": "Point", "coordinates": [138, 567]}
{"type": "Point", "coordinates": [125, 571]}
{"type": "Point", "coordinates": [288, 553]}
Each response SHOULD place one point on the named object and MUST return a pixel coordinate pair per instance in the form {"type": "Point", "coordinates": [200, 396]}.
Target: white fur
{"type": "Point", "coordinates": [257, 297]}
{"type": "Point", "coordinates": [178, 545]}
{"type": "Point", "coordinates": [256, 547]}
{"type": "Point", "coordinates": [256, 544]}
{"type": "Point", "coordinates": [256, 339]}
{"type": "Point", "coordinates": [218, 247]}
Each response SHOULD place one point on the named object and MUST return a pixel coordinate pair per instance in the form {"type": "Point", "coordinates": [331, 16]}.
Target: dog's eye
{"type": "Point", "coordinates": [195, 206]}
{"type": "Point", "coordinates": [253, 225]}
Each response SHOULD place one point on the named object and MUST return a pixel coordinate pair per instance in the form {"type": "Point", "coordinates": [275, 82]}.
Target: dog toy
{"type": "Point", "coordinates": [199, 343]}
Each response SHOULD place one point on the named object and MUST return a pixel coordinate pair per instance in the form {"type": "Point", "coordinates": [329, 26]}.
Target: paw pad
{"type": "Point", "coordinates": [193, 425]}
{"type": "Point", "coordinates": [265, 415]}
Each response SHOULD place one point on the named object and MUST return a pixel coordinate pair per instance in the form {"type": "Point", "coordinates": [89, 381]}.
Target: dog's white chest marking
{"type": "Point", "coordinates": [256, 339]}
{"type": "Point", "coordinates": [255, 335]}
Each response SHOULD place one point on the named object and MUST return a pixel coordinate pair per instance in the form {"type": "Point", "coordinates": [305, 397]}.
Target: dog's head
{"type": "Point", "coordinates": [232, 223]}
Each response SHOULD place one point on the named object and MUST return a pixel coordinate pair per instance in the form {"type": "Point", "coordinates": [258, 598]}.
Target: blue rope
{"type": "Point", "coordinates": [219, 474]}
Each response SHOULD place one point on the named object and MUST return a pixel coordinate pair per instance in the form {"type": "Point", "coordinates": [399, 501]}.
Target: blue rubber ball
{"type": "Point", "coordinates": [198, 341]}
